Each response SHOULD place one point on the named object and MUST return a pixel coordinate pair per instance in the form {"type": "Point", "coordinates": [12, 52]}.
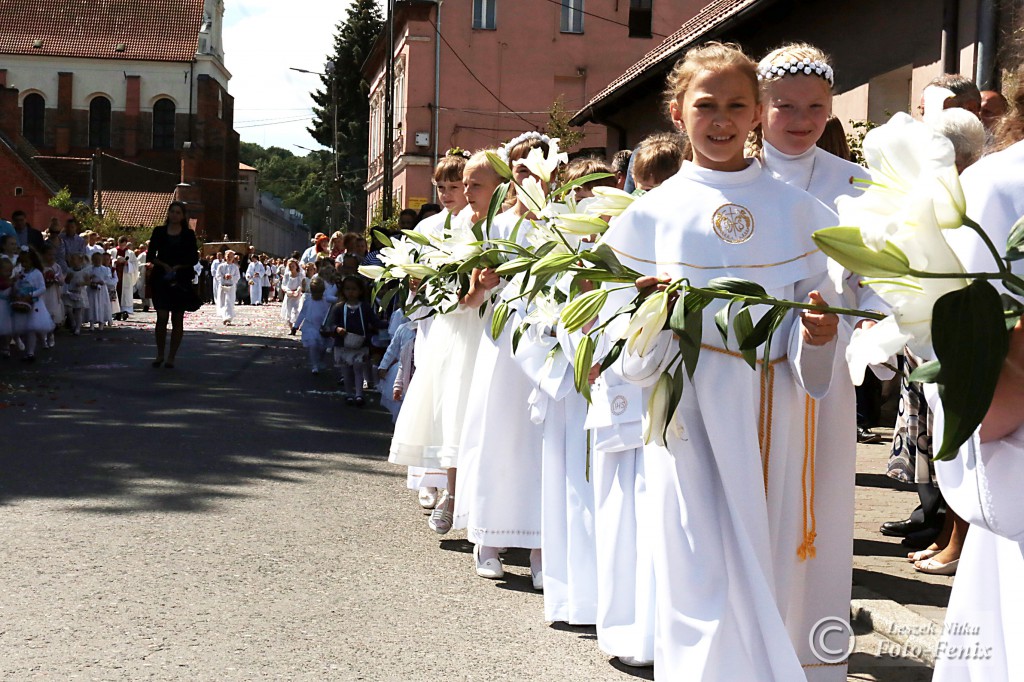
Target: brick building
{"type": "Point", "coordinates": [472, 73]}
{"type": "Point", "coordinates": [125, 103]}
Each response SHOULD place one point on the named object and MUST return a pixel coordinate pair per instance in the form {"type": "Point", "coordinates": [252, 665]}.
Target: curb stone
{"type": "Point", "coordinates": [917, 636]}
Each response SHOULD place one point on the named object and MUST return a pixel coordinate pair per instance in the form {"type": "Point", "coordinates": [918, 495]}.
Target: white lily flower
{"type": "Point", "coordinates": [911, 299]}
{"type": "Point", "coordinates": [544, 166]}
{"type": "Point", "coordinates": [539, 233]}
{"type": "Point", "coordinates": [546, 312]}
{"type": "Point", "coordinates": [873, 346]}
{"type": "Point", "coordinates": [458, 246]}
{"type": "Point", "coordinates": [609, 201]}
{"type": "Point", "coordinates": [907, 159]}
{"type": "Point", "coordinates": [374, 272]}
{"type": "Point", "coordinates": [400, 260]}
{"type": "Point", "coordinates": [657, 411]}
{"type": "Point", "coordinates": [580, 224]}
{"type": "Point", "coordinates": [646, 323]}
{"type": "Point", "coordinates": [533, 195]}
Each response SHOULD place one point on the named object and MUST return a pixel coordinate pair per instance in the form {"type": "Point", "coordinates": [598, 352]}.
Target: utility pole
{"type": "Point", "coordinates": [388, 189]}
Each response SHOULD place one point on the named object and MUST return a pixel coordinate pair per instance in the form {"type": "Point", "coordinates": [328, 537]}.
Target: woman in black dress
{"type": "Point", "coordinates": [173, 253]}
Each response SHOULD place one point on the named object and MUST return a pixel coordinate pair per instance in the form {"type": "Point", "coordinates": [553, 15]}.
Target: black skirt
{"type": "Point", "coordinates": [176, 295]}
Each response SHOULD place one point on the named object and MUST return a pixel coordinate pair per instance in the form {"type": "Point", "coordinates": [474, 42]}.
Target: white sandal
{"type": "Point", "coordinates": [442, 517]}
{"type": "Point", "coordinates": [921, 555]}
{"type": "Point", "coordinates": [933, 567]}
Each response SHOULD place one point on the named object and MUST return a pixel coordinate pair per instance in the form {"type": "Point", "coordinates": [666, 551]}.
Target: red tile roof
{"type": "Point", "coordinates": [712, 16]}
{"type": "Point", "coordinates": [137, 208]}
{"type": "Point", "coordinates": [151, 30]}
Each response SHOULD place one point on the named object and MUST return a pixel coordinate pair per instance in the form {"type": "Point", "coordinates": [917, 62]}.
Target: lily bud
{"type": "Point", "coordinates": [646, 323]}
{"type": "Point", "coordinates": [657, 411]}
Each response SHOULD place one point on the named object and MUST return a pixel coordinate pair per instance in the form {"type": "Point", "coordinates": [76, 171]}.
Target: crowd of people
{"type": "Point", "coordinates": [60, 279]}
{"type": "Point", "coordinates": [711, 555]}
{"type": "Point", "coordinates": [715, 553]}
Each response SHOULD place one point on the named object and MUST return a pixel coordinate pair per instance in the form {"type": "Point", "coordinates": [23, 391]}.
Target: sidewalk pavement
{"type": "Point", "coordinates": [889, 597]}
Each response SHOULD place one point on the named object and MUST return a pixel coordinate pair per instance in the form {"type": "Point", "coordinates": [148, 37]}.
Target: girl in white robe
{"type": "Point", "coordinates": [428, 431]}
{"type": "Point", "coordinates": [500, 449]}
{"type": "Point", "coordinates": [293, 285]}
{"type": "Point", "coordinates": [53, 275]}
{"type": "Point", "coordinates": [254, 277]}
{"type": "Point", "coordinates": [797, 108]}
{"type": "Point", "coordinates": [98, 292]}
{"type": "Point", "coordinates": [984, 620]}
{"type": "Point", "coordinates": [225, 287]}
{"type": "Point", "coordinates": [33, 321]}
{"type": "Point", "coordinates": [733, 487]}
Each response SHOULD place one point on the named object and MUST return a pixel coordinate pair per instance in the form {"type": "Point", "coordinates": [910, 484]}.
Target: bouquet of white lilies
{"type": "Point", "coordinates": [892, 234]}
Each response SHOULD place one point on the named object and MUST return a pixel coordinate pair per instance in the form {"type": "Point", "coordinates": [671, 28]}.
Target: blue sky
{"type": "Point", "coordinates": [262, 38]}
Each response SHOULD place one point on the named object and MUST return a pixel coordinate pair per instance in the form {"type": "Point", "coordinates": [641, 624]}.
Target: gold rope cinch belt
{"type": "Point", "coordinates": [764, 437]}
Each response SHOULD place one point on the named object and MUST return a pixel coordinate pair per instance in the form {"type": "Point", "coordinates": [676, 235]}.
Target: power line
{"type": "Point", "coordinates": [276, 123]}
{"type": "Point", "coordinates": [482, 84]}
{"type": "Point", "coordinates": [561, 3]}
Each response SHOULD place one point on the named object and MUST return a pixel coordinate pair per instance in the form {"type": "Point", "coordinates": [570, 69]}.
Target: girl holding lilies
{"type": "Point", "coordinates": [500, 449]}
{"type": "Point", "coordinates": [428, 431]}
{"type": "Point", "coordinates": [730, 475]}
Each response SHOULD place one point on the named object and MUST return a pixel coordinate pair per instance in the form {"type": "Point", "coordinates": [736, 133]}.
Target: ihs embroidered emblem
{"type": "Point", "coordinates": [619, 405]}
{"type": "Point", "coordinates": [733, 223]}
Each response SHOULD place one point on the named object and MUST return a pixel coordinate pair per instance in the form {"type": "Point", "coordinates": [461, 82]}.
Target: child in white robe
{"type": "Point", "coordinates": [500, 449]}
{"type": "Point", "coordinates": [76, 284]}
{"type": "Point", "coordinates": [311, 319]}
{"type": "Point", "coordinates": [6, 289]}
{"type": "Point", "coordinates": [98, 292]}
{"type": "Point", "coordinates": [225, 283]}
{"type": "Point", "coordinates": [428, 431]}
{"type": "Point", "coordinates": [797, 108]}
{"type": "Point", "coordinates": [293, 286]}
{"type": "Point", "coordinates": [30, 320]}
{"type": "Point", "coordinates": [53, 275]}
{"type": "Point", "coordinates": [731, 486]}
{"type": "Point", "coordinates": [254, 277]}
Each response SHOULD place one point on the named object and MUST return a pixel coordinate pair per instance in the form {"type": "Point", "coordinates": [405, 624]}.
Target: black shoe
{"type": "Point", "coordinates": [865, 436]}
{"type": "Point", "coordinates": [901, 529]}
{"type": "Point", "coordinates": [922, 539]}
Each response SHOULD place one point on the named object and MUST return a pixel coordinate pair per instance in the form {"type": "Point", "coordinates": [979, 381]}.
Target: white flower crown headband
{"type": "Point", "coordinates": [770, 72]}
{"type": "Point", "coordinates": [529, 135]}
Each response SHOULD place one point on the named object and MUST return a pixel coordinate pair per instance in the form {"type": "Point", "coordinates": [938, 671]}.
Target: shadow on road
{"type": "Point", "coordinates": [94, 421]}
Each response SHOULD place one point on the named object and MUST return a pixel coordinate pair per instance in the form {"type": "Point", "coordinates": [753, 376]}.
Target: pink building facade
{"type": "Point", "coordinates": [500, 66]}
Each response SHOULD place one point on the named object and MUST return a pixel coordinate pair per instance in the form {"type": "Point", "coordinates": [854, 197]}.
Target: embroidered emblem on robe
{"type": "Point", "coordinates": [733, 223]}
{"type": "Point", "coordinates": [619, 405]}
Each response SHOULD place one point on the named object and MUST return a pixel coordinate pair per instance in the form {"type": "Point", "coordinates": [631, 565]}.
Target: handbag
{"type": "Point", "coordinates": [351, 340]}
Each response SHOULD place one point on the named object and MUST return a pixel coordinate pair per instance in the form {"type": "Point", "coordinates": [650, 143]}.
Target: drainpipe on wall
{"type": "Point", "coordinates": [191, 91]}
{"type": "Point", "coordinates": [984, 74]}
{"type": "Point", "coordinates": [950, 36]}
{"type": "Point", "coordinates": [437, 86]}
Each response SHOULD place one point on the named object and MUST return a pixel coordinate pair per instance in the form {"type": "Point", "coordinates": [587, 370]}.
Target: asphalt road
{"type": "Point", "coordinates": [233, 519]}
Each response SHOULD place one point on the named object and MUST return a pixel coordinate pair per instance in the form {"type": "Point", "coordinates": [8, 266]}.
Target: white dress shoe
{"type": "Point", "coordinates": [488, 568]}
{"type": "Point", "coordinates": [635, 662]}
{"type": "Point", "coordinates": [428, 498]}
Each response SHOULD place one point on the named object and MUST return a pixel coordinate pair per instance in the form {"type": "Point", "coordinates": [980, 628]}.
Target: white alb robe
{"type": "Point", "coordinates": [736, 516]}
{"type": "Point", "coordinates": [224, 290]}
{"type": "Point", "coordinates": [984, 621]}
{"type": "Point", "coordinates": [254, 275]}
{"type": "Point", "coordinates": [499, 455]}
{"type": "Point", "coordinates": [567, 491]}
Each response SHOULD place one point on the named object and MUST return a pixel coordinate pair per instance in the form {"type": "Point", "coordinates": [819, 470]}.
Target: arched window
{"type": "Point", "coordinates": [99, 123]}
{"type": "Point", "coordinates": [163, 124]}
{"type": "Point", "coordinates": [33, 117]}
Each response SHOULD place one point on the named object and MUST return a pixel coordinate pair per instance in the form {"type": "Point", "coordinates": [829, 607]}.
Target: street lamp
{"type": "Point", "coordinates": [328, 72]}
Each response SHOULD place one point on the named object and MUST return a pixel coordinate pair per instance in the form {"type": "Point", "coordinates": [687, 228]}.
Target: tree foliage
{"type": "Point", "coordinates": [301, 182]}
{"type": "Point", "coordinates": [350, 93]}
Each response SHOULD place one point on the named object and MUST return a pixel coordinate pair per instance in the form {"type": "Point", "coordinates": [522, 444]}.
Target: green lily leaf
{"type": "Point", "coordinates": [970, 340]}
{"type": "Point", "coordinates": [845, 246]}
{"type": "Point", "coordinates": [514, 266]}
{"type": "Point", "coordinates": [734, 285]}
{"type": "Point", "coordinates": [743, 327]}
{"type": "Point", "coordinates": [415, 236]}
{"type": "Point", "coordinates": [500, 319]}
{"type": "Point", "coordinates": [928, 373]}
{"type": "Point", "coordinates": [613, 354]}
{"type": "Point", "coordinates": [1015, 242]}
{"type": "Point", "coordinates": [499, 165]}
{"type": "Point", "coordinates": [383, 239]}
{"type": "Point", "coordinates": [581, 365]}
{"type": "Point", "coordinates": [569, 186]}
{"type": "Point", "coordinates": [764, 328]}
{"type": "Point", "coordinates": [497, 199]}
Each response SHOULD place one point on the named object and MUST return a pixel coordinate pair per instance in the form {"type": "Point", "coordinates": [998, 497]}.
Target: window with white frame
{"type": "Point", "coordinates": [485, 14]}
{"type": "Point", "coordinates": [572, 16]}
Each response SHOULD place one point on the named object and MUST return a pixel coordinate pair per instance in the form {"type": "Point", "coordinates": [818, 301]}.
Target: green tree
{"type": "Point", "coordinates": [350, 94]}
{"type": "Point", "coordinates": [301, 182]}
